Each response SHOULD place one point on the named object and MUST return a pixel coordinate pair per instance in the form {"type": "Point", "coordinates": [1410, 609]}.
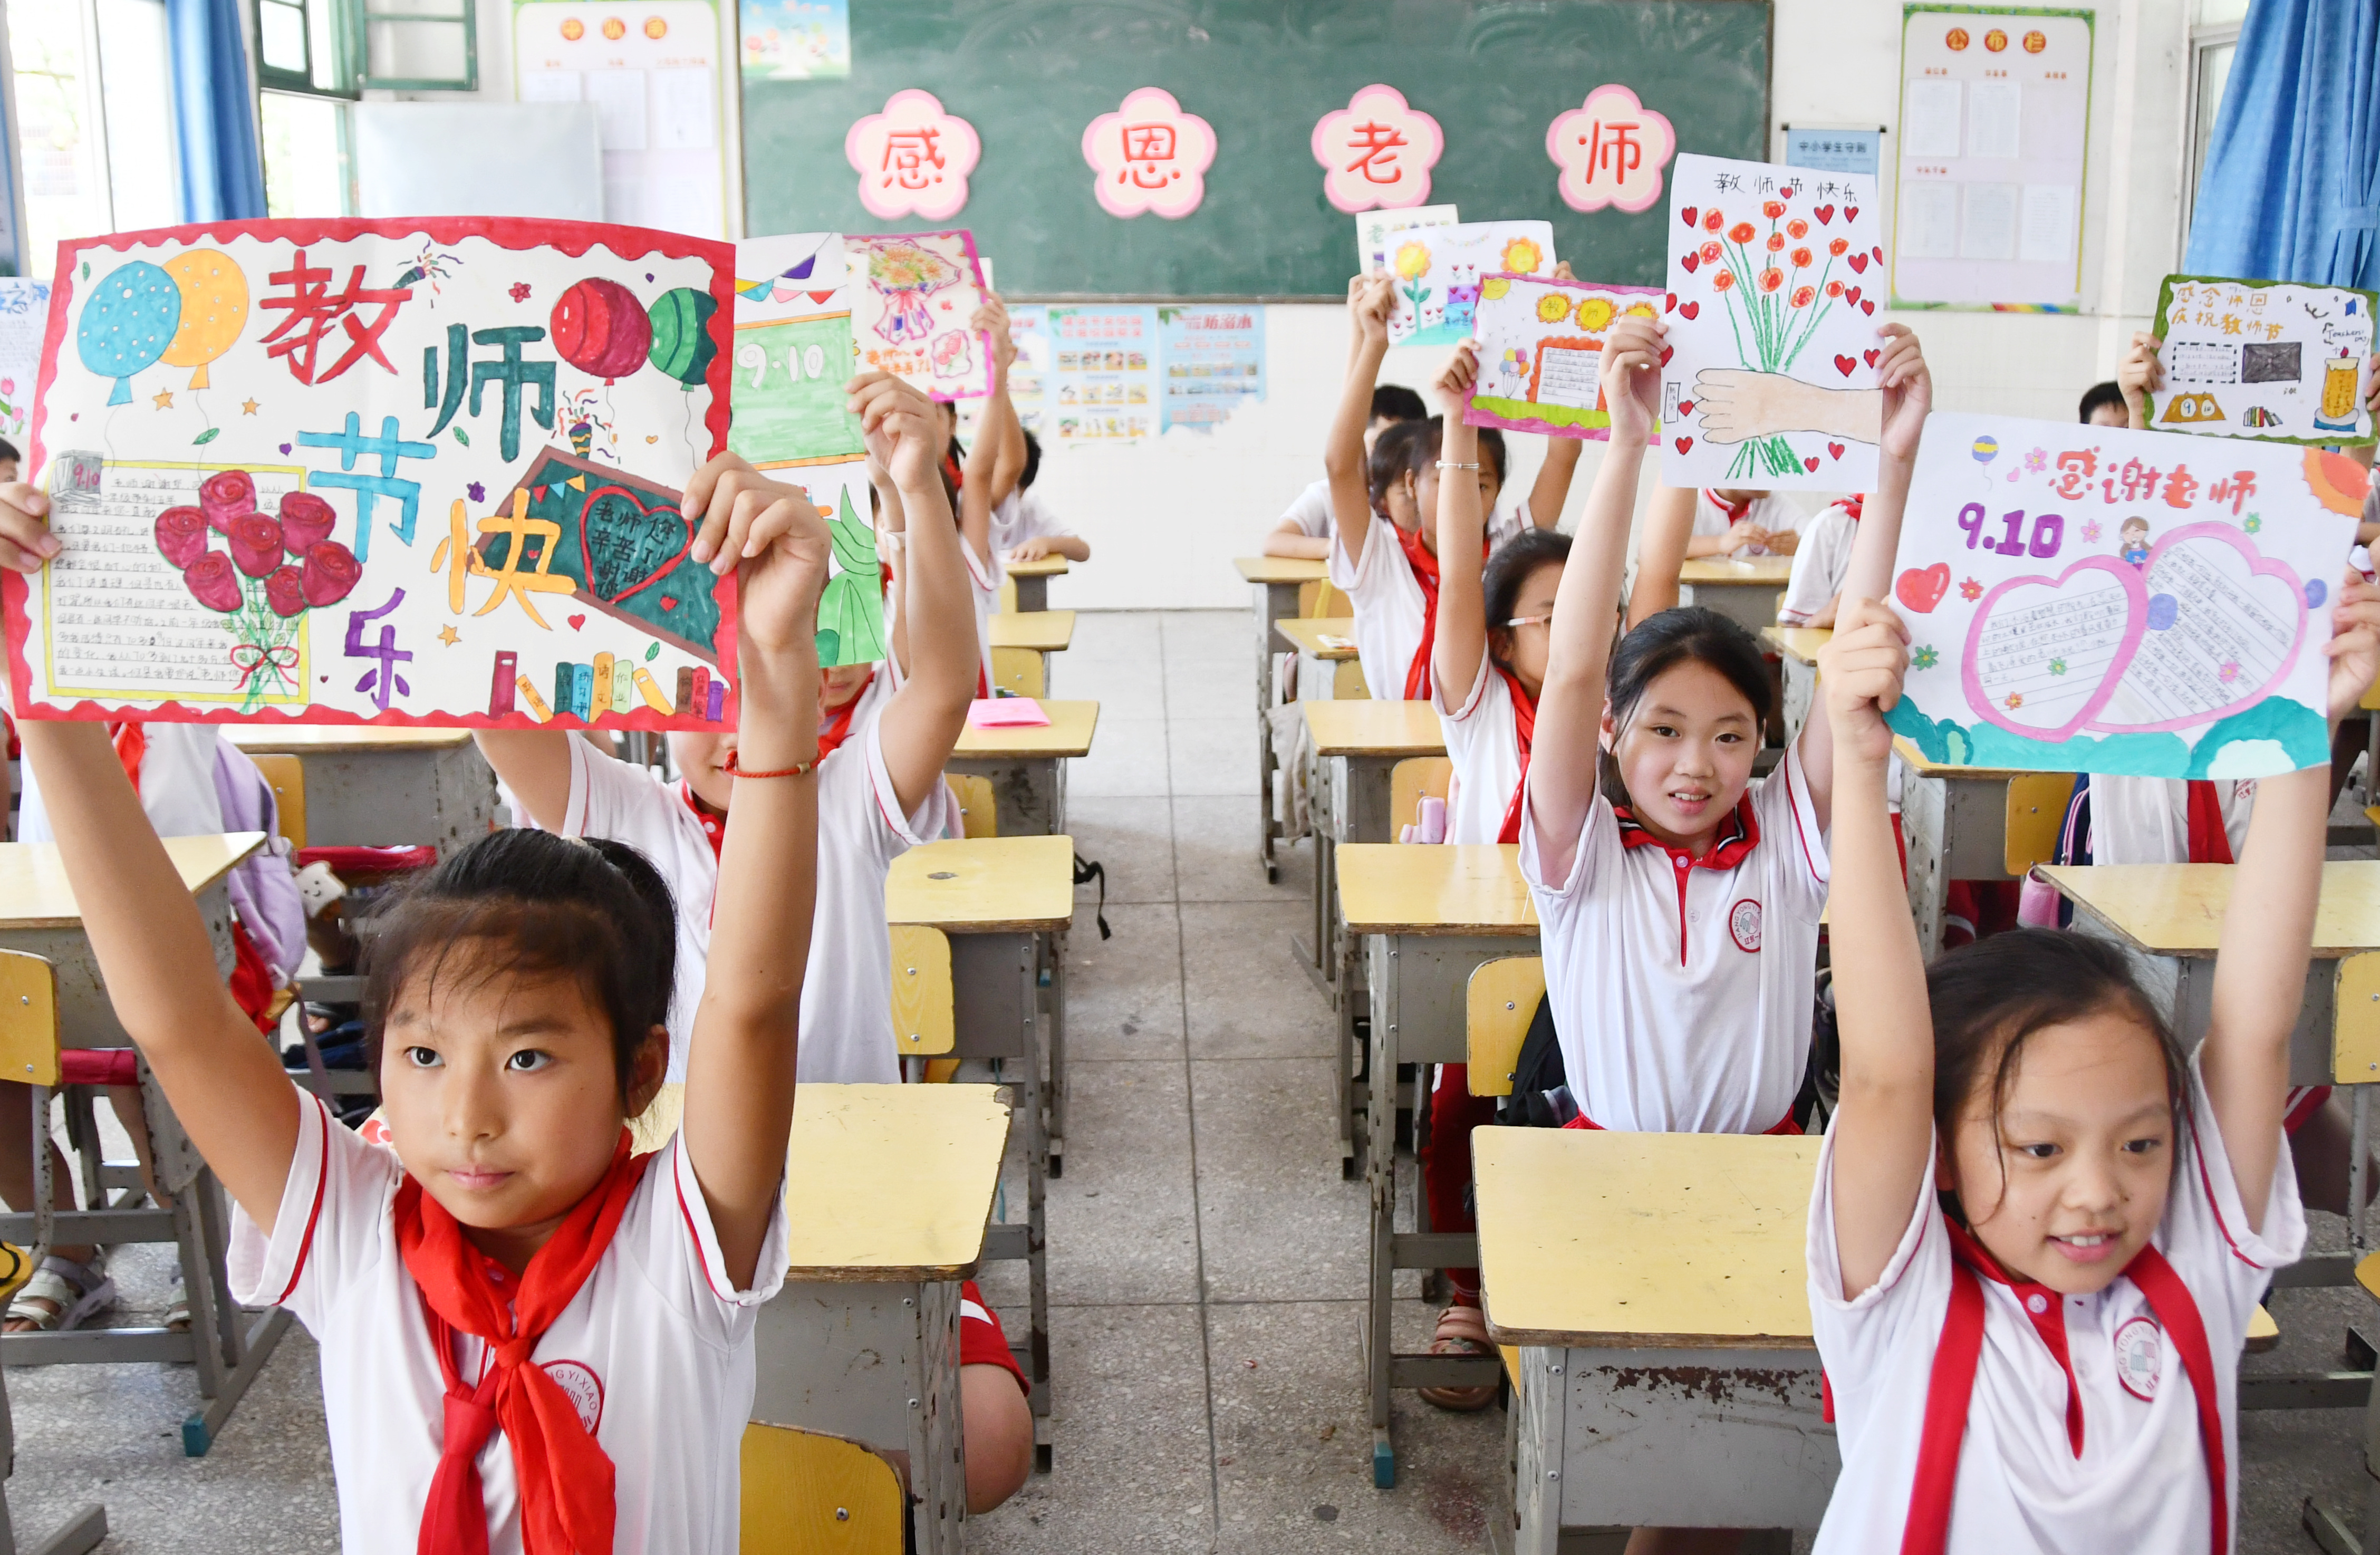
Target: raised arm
{"type": "Point", "coordinates": [1369, 301]}
{"type": "Point", "coordinates": [2137, 375]}
{"type": "Point", "coordinates": [535, 764]}
{"type": "Point", "coordinates": [922, 722]}
{"type": "Point", "coordinates": [1570, 706]}
{"type": "Point", "coordinates": [740, 1064]}
{"type": "Point", "coordinates": [1550, 492]}
{"type": "Point", "coordinates": [1460, 641]}
{"type": "Point", "coordinates": [1661, 550]}
{"type": "Point", "coordinates": [1884, 1116]}
{"type": "Point", "coordinates": [989, 459]}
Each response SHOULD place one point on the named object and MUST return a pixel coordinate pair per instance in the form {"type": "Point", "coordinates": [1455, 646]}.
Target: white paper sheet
{"type": "Point", "coordinates": [684, 117]}
{"type": "Point", "coordinates": [552, 86]}
{"type": "Point", "coordinates": [619, 97]}
{"type": "Point", "coordinates": [1995, 118]}
{"type": "Point", "coordinates": [2049, 231]}
{"type": "Point", "coordinates": [1929, 128]}
{"type": "Point", "coordinates": [1988, 229]}
{"type": "Point", "coordinates": [1929, 221]}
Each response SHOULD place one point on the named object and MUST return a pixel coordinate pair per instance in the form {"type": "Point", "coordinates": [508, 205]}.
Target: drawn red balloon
{"type": "Point", "coordinates": [602, 329]}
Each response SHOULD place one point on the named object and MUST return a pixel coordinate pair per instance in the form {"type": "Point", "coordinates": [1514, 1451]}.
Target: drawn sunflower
{"type": "Point", "coordinates": [1412, 259]}
{"type": "Point", "coordinates": [1594, 314]}
{"type": "Point", "coordinates": [1522, 257]}
{"type": "Point", "coordinates": [1552, 307]}
{"type": "Point", "coordinates": [1494, 286]}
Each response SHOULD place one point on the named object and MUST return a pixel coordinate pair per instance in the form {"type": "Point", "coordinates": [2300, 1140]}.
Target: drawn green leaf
{"type": "Point", "coordinates": [652, 652]}
{"type": "Point", "coordinates": [462, 437]}
{"type": "Point", "coordinates": [206, 436]}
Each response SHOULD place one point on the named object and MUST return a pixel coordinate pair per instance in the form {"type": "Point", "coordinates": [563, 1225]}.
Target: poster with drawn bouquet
{"type": "Point", "coordinates": [380, 471]}
{"type": "Point", "coordinates": [1440, 271]}
{"type": "Point", "coordinates": [1775, 277]}
{"type": "Point", "coordinates": [2098, 600]}
{"type": "Point", "coordinates": [2264, 360]}
{"type": "Point", "coordinates": [913, 295]}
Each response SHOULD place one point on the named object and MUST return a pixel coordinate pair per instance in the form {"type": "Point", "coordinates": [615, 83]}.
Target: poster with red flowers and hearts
{"type": "Point", "coordinates": [2088, 598]}
{"type": "Point", "coordinates": [1776, 276]}
{"type": "Point", "coordinates": [405, 472]}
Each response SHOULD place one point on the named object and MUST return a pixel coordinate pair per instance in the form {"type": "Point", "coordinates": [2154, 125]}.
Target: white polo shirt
{"type": "Point", "coordinates": [1020, 516]}
{"type": "Point", "coordinates": [1683, 988]}
{"type": "Point", "coordinates": [1771, 511]}
{"type": "Point", "coordinates": [2138, 1480]}
{"type": "Point", "coordinates": [177, 785]}
{"type": "Point", "coordinates": [1387, 599]}
{"type": "Point", "coordinates": [1311, 511]}
{"type": "Point", "coordinates": [1821, 559]}
{"type": "Point", "coordinates": [847, 1017]}
{"type": "Point", "coordinates": [983, 589]}
{"type": "Point", "coordinates": [656, 1346]}
{"type": "Point", "coordinates": [2146, 820]}
{"type": "Point", "coordinates": [1483, 745]}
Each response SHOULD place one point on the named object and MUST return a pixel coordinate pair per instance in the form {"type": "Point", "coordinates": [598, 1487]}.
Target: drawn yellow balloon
{"type": "Point", "coordinates": [214, 310]}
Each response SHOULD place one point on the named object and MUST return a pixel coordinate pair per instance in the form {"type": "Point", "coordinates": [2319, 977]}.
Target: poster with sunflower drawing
{"type": "Point", "coordinates": [1541, 353]}
{"type": "Point", "coordinates": [1440, 271]}
{"type": "Point", "coordinates": [1771, 376]}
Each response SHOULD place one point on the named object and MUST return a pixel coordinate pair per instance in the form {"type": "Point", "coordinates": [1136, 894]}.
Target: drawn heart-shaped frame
{"type": "Point", "coordinates": [2258, 567]}
{"type": "Point", "coordinates": [587, 555]}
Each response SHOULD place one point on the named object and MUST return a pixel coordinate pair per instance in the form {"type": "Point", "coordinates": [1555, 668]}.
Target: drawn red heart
{"type": "Point", "coordinates": [1671, 305]}
{"type": "Point", "coordinates": [1868, 307]}
{"type": "Point", "coordinates": [1688, 215]}
{"type": "Point", "coordinates": [1825, 214]}
{"type": "Point", "coordinates": [1878, 252]}
{"type": "Point", "coordinates": [1844, 365]}
{"type": "Point", "coordinates": [1692, 263]}
{"type": "Point", "coordinates": [577, 622]}
{"type": "Point", "coordinates": [1851, 212]}
{"type": "Point", "coordinates": [640, 544]}
{"type": "Point", "coordinates": [1667, 352]}
{"type": "Point", "coordinates": [1684, 443]}
{"type": "Point", "coordinates": [1834, 450]}
{"type": "Point", "coordinates": [1689, 308]}
{"type": "Point", "coordinates": [1869, 356]}
{"type": "Point", "coordinates": [1811, 464]}
{"type": "Point", "coordinates": [1685, 407]}
{"type": "Point", "coordinates": [668, 603]}
{"type": "Point", "coordinates": [1921, 588]}
{"type": "Point", "coordinates": [1850, 297]}
{"type": "Point", "coordinates": [1858, 264]}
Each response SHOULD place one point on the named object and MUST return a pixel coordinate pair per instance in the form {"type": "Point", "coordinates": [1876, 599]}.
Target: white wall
{"type": "Point", "coordinates": [1164, 519]}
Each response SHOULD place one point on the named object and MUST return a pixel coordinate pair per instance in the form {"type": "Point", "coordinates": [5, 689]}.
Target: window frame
{"type": "Point", "coordinates": [469, 21]}
{"type": "Point", "coordinates": [2195, 115]}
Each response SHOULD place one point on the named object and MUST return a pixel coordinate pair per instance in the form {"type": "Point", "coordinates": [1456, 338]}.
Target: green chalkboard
{"type": "Point", "coordinates": [790, 405]}
{"type": "Point", "coordinates": [1031, 74]}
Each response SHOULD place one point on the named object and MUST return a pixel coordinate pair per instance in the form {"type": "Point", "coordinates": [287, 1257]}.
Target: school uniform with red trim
{"type": "Point", "coordinates": [654, 1350]}
{"type": "Point", "coordinates": [1682, 988]}
{"type": "Point", "coordinates": [1714, 518]}
{"type": "Point", "coordinates": [982, 1342]}
{"type": "Point", "coordinates": [1388, 603]}
{"type": "Point", "coordinates": [2082, 1425]}
{"type": "Point", "coordinates": [1821, 559]}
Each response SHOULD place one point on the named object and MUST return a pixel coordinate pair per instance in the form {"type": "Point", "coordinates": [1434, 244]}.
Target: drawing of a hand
{"type": "Point", "coordinates": [1737, 405]}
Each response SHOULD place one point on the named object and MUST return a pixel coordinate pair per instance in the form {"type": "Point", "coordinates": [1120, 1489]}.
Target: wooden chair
{"type": "Point", "coordinates": [1318, 600]}
{"type": "Point", "coordinates": [925, 1024]}
{"type": "Point", "coordinates": [977, 806]}
{"type": "Point", "coordinates": [2037, 813]}
{"type": "Point", "coordinates": [1410, 779]}
{"type": "Point", "coordinates": [1007, 595]}
{"type": "Point", "coordinates": [286, 776]}
{"type": "Point", "coordinates": [1019, 671]}
{"type": "Point", "coordinates": [1497, 1006]}
{"type": "Point", "coordinates": [805, 1493]}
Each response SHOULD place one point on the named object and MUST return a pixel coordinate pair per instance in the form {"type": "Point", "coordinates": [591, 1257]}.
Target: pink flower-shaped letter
{"type": "Point", "coordinates": [913, 159]}
{"type": "Point", "coordinates": [1152, 156]}
{"type": "Point", "coordinates": [1611, 151]}
{"type": "Point", "coordinates": [1377, 151]}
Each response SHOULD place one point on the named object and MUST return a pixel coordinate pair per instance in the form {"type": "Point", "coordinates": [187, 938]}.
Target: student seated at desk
{"type": "Point", "coordinates": [1305, 530]}
{"type": "Point", "coordinates": [2041, 1226]}
{"type": "Point", "coordinates": [1820, 562]}
{"type": "Point", "coordinates": [1023, 530]}
{"type": "Point", "coordinates": [510, 1253]}
{"type": "Point", "coordinates": [1736, 523]}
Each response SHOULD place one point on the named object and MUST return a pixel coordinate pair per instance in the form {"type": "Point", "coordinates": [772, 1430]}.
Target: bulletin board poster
{"type": "Point", "coordinates": [2265, 360]}
{"type": "Point", "coordinates": [1995, 136]}
{"type": "Point", "coordinates": [24, 311]}
{"type": "Point", "coordinates": [2098, 600]}
{"type": "Point", "coordinates": [795, 40]}
{"type": "Point", "coordinates": [652, 71]}
{"type": "Point", "coordinates": [1101, 390]}
{"type": "Point", "coordinates": [1212, 357]}
{"type": "Point", "coordinates": [328, 471]}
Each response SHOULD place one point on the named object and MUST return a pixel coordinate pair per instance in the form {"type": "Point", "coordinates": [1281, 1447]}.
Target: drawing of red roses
{"type": "Point", "coordinates": [332, 571]}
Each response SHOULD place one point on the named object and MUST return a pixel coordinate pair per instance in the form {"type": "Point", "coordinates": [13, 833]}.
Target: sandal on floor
{"type": "Point", "coordinates": [72, 1293]}
{"type": "Point", "coordinates": [177, 1309]}
{"type": "Point", "coordinates": [1462, 1330]}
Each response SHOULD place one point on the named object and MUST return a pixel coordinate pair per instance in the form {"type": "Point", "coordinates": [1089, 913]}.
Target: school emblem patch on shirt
{"type": "Point", "coordinates": [586, 1389]}
{"type": "Point", "coordinates": [1744, 922]}
{"type": "Point", "coordinates": [2139, 1355]}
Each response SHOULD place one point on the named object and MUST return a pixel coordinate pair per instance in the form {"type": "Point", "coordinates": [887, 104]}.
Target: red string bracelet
{"type": "Point", "coordinates": [732, 770]}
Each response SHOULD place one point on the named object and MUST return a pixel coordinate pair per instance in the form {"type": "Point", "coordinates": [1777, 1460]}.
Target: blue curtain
{"type": "Point", "coordinates": [215, 111]}
{"type": "Point", "coordinates": [2292, 190]}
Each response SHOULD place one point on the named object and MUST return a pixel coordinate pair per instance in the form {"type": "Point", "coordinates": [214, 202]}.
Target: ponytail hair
{"type": "Point", "coordinates": [525, 902]}
{"type": "Point", "coordinates": [1660, 643]}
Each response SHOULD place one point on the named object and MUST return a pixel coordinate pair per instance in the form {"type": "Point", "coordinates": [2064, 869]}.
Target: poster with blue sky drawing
{"type": "Point", "coordinates": [2097, 600]}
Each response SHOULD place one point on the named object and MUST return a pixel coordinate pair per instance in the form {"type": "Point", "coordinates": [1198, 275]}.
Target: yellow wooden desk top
{"type": "Point", "coordinates": [308, 739]}
{"type": "Point", "coordinates": [1041, 566]}
{"type": "Point", "coordinates": [1280, 569]}
{"type": "Point", "coordinates": [1047, 631]}
{"type": "Point", "coordinates": [1770, 570]}
{"type": "Point", "coordinates": [1636, 1240]}
{"type": "Point", "coordinates": [1370, 728]}
{"type": "Point", "coordinates": [1918, 763]}
{"type": "Point", "coordinates": [2177, 909]}
{"type": "Point", "coordinates": [1068, 732]}
{"type": "Point", "coordinates": [1799, 644]}
{"type": "Point", "coordinates": [1395, 888]}
{"type": "Point", "coordinates": [882, 1182]}
{"type": "Point", "coordinates": [1308, 635]}
{"type": "Point", "coordinates": [2370, 700]}
{"type": "Point", "coordinates": [984, 885]}
{"type": "Point", "coordinates": [34, 893]}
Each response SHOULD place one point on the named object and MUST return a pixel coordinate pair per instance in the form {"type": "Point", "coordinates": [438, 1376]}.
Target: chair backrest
{"type": "Point", "coordinates": [1019, 671]}
{"type": "Point", "coordinates": [1317, 601]}
{"type": "Point", "coordinates": [922, 1019]}
{"type": "Point", "coordinates": [1007, 595]}
{"type": "Point", "coordinates": [286, 774]}
{"type": "Point", "coordinates": [28, 1019]}
{"type": "Point", "coordinates": [2037, 813]}
{"type": "Point", "coordinates": [2355, 1021]}
{"type": "Point", "coordinates": [1408, 781]}
{"type": "Point", "coordinates": [1498, 1004]}
{"type": "Point", "coordinates": [977, 806]}
{"type": "Point", "coordinates": [809, 1494]}
{"type": "Point", "coordinates": [1347, 681]}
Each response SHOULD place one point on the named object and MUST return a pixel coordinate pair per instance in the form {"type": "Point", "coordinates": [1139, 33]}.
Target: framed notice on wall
{"type": "Point", "coordinates": [652, 71]}
{"type": "Point", "coordinates": [1994, 139]}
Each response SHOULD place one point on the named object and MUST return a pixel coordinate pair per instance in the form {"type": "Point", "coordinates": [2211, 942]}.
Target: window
{"type": "Point", "coordinates": [2213, 39]}
{"type": "Point", "coordinates": [94, 93]}
{"type": "Point", "coordinates": [304, 66]}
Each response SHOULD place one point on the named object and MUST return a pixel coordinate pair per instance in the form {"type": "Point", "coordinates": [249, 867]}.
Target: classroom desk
{"type": "Point", "coordinates": [1744, 592]}
{"type": "Point", "coordinates": [1655, 1284]}
{"type": "Point", "coordinates": [887, 1191]}
{"type": "Point", "coordinates": [1954, 823]}
{"type": "Point", "coordinates": [1797, 647]}
{"type": "Point", "coordinates": [1276, 581]}
{"type": "Point", "coordinates": [1428, 917]}
{"type": "Point", "coordinates": [1005, 903]}
{"type": "Point", "coordinates": [1044, 632]}
{"type": "Point", "coordinates": [374, 787]}
{"type": "Point", "coordinates": [1318, 662]}
{"type": "Point", "coordinates": [1032, 579]}
{"type": "Point", "coordinates": [39, 917]}
{"type": "Point", "coordinates": [1028, 766]}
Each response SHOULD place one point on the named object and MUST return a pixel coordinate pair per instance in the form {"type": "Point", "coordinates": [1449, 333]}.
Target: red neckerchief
{"type": "Point", "coordinates": [1735, 510]}
{"type": "Point", "coordinates": [833, 732]}
{"type": "Point", "coordinates": [1951, 1389]}
{"type": "Point", "coordinates": [1425, 571]}
{"type": "Point", "coordinates": [1852, 503]}
{"type": "Point", "coordinates": [563, 1476]}
{"type": "Point", "coordinates": [714, 827]}
{"type": "Point", "coordinates": [1524, 733]}
{"type": "Point", "coordinates": [2210, 843]}
{"type": "Point", "coordinates": [1737, 836]}
{"type": "Point", "coordinates": [131, 742]}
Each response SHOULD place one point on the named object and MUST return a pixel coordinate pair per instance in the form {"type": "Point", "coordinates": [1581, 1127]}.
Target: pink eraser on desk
{"type": "Point", "coordinates": [1007, 712]}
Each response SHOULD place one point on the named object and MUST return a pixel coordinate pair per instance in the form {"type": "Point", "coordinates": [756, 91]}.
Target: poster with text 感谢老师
{"type": "Point", "coordinates": [380, 471]}
{"type": "Point", "coordinates": [1775, 277]}
{"type": "Point", "coordinates": [2264, 360]}
{"type": "Point", "coordinates": [2098, 600]}
{"type": "Point", "coordinates": [1541, 353]}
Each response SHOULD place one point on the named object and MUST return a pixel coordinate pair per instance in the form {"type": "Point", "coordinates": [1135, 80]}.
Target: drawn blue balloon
{"type": "Point", "coordinates": [2315, 594]}
{"type": "Point", "coordinates": [1986, 449]}
{"type": "Point", "coordinates": [128, 323]}
{"type": "Point", "coordinates": [2163, 611]}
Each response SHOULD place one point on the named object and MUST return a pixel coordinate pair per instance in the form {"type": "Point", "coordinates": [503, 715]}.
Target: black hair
{"type": "Point", "coordinates": [1411, 448]}
{"type": "Point", "coordinates": [521, 900]}
{"type": "Point", "coordinates": [2099, 395]}
{"type": "Point", "coordinates": [9, 452]}
{"type": "Point", "coordinates": [1511, 566]}
{"type": "Point", "coordinates": [1660, 643]}
{"type": "Point", "coordinates": [1989, 997]}
{"type": "Point", "coordinates": [1032, 463]}
{"type": "Point", "coordinates": [1397, 403]}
